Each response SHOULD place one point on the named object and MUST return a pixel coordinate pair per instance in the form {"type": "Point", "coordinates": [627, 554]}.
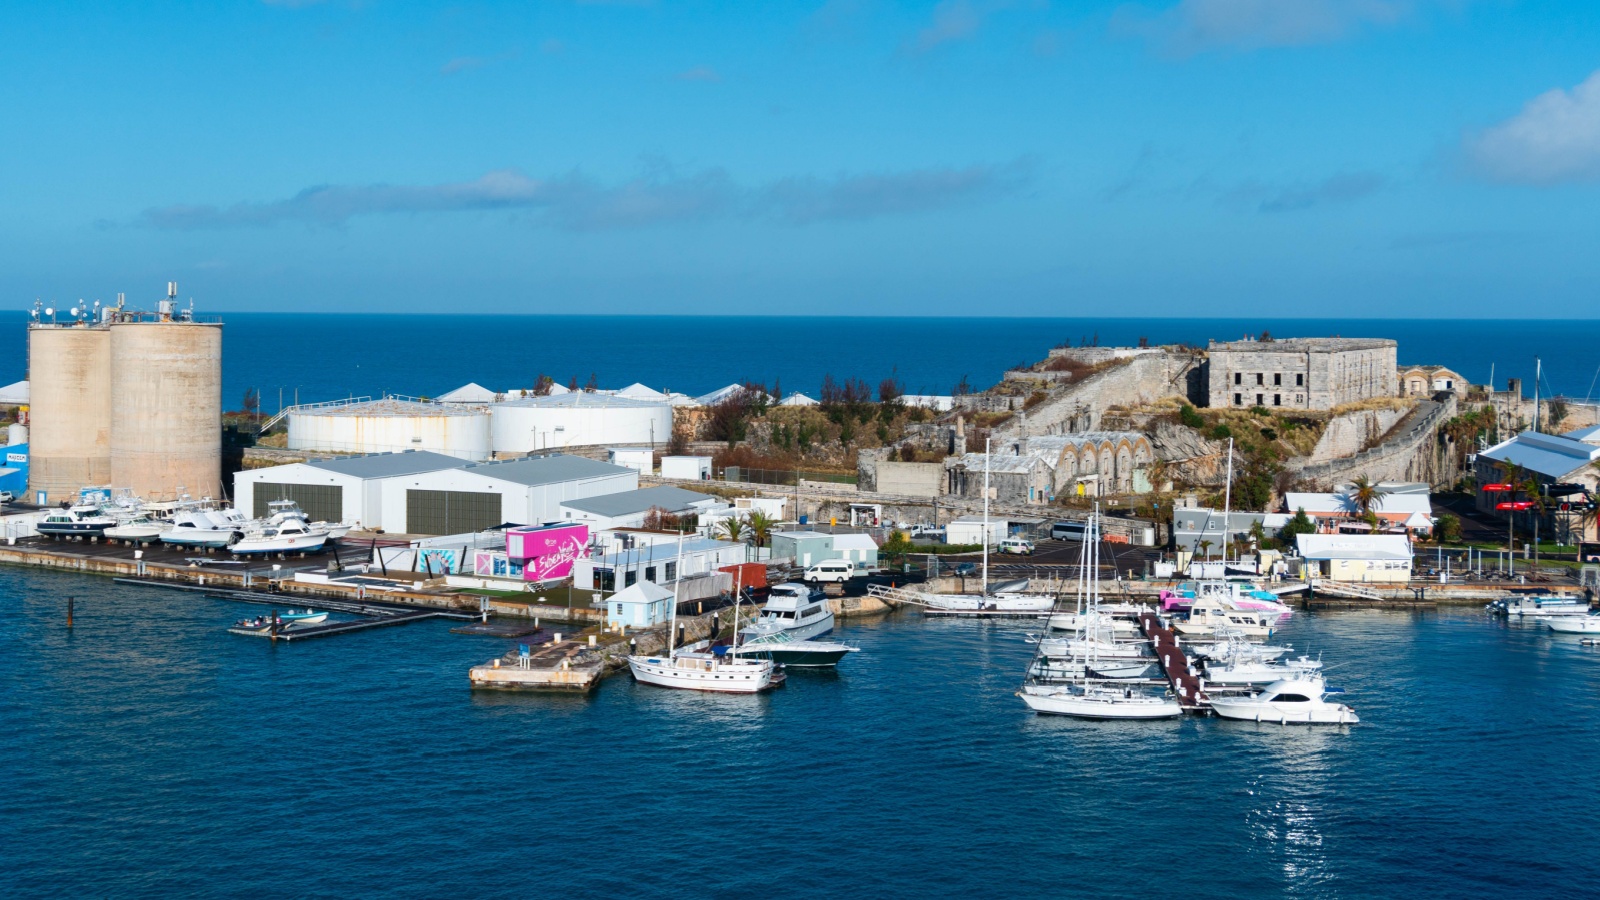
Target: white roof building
{"type": "Point", "coordinates": [721, 394]}
{"type": "Point", "coordinates": [14, 394]}
{"type": "Point", "coordinates": [797, 399]}
{"type": "Point", "coordinates": [525, 491]}
{"type": "Point", "coordinates": [344, 489]}
{"type": "Point", "coordinates": [1555, 456]}
{"type": "Point", "coordinates": [1354, 546]}
{"type": "Point", "coordinates": [472, 392]}
{"type": "Point", "coordinates": [629, 509]}
{"type": "Point", "coordinates": [1388, 506]}
{"type": "Point", "coordinates": [637, 391]}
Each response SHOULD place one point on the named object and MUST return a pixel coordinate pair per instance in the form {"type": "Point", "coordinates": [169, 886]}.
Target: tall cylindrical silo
{"type": "Point", "coordinates": [166, 408]}
{"type": "Point", "coordinates": [69, 378]}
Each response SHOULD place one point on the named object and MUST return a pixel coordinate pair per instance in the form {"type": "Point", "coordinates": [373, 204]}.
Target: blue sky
{"type": "Point", "coordinates": [1226, 157]}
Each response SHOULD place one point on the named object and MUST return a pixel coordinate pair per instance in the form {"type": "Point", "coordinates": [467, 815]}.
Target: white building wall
{"type": "Point", "coordinates": [356, 490]}
{"type": "Point", "coordinates": [520, 503]}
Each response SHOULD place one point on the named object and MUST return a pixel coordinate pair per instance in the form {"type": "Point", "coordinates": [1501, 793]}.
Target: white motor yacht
{"type": "Point", "coordinates": [202, 528]}
{"type": "Point", "coordinates": [1574, 624]}
{"type": "Point", "coordinates": [286, 530]}
{"type": "Point", "coordinates": [1097, 701]}
{"type": "Point", "coordinates": [793, 610]}
{"type": "Point", "coordinates": [82, 520]}
{"type": "Point", "coordinates": [997, 603]}
{"type": "Point", "coordinates": [138, 529]}
{"type": "Point", "coordinates": [1246, 670]}
{"type": "Point", "coordinates": [1206, 616]}
{"type": "Point", "coordinates": [1293, 701]}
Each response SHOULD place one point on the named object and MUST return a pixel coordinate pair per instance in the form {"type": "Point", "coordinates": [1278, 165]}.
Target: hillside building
{"type": "Point", "coordinates": [1301, 373]}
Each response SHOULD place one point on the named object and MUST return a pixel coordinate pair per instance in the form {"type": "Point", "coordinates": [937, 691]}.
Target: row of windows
{"type": "Point", "coordinates": [1277, 379]}
{"type": "Point", "coordinates": [1261, 399]}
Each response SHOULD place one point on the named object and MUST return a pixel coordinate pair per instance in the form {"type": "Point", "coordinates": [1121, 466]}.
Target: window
{"type": "Point", "coordinates": [1299, 379]}
{"type": "Point", "coordinates": [1277, 379]}
{"type": "Point", "coordinates": [1238, 378]}
{"type": "Point", "coordinates": [1277, 399]}
{"type": "Point", "coordinates": [1291, 698]}
{"type": "Point", "coordinates": [1238, 399]}
{"type": "Point", "coordinates": [649, 573]}
{"type": "Point", "coordinates": [1261, 399]}
{"type": "Point", "coordinates": [630, 578]}
{"type": "Point", "coordinates": [619, 609]}
{"type": "Point", "coordinates": [605, 580]}
{"type": "Point", "coordinates": [1260, 378]}
{"type": "Point", "coordinates": [1299, 398]}
{"type": "Point", "coordinates": [672, 571]}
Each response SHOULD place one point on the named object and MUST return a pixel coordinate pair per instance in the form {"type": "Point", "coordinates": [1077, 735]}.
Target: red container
{"type": "Point", "coordinates": [750, 575]}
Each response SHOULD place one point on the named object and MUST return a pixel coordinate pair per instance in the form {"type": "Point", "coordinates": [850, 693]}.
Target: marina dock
{"type": "Point", "coordinates": [1175, 665]}
{"type": "Point", "coordinates": [371, 615]}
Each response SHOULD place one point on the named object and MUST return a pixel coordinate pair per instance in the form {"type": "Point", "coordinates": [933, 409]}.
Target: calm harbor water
{"type": "Point", "coordinates": [147, 753]}
{"type": "Point", "coordinates": [323, 357]}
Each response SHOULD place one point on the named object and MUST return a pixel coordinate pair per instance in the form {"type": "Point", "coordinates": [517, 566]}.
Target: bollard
{"type": "Point", "coordinates": [69, 612]}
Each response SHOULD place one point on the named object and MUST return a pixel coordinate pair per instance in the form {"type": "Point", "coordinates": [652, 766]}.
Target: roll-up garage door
{"type": "Point", "coordinates": [322, 502]}
{"type": "Point", "coordinates": [451, 512]}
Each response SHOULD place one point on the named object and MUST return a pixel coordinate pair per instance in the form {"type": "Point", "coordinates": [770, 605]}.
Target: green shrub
{"type": "Point", "coordinates": [1221, 432]}
{"type": "Point", "coordinates": [1188, 416]}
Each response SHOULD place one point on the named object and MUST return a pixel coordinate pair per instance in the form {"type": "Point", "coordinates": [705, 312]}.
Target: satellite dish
{"type": "Point", "coordinates": [48, 311]}
{"type": "Point", "coordinates": [74, 310]}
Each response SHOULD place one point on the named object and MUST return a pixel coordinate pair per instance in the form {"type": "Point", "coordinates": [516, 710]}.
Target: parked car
{"type": "Point", "coordinates": [1068, 531]}
{"type": "Point", "coordinates": [836, 570]}
{"type": "Point", "coordinates": [965, 568]}
{"type": "Point", "coordinates": [1019, 546]}
{"type": "Point", "coordinates": [7, 497]}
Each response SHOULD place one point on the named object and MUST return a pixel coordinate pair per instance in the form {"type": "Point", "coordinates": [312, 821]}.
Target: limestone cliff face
{"type": "Point", "coordinates": [1197, 461]}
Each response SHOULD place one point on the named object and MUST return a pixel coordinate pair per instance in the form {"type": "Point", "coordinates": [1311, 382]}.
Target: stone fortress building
{"type": "Point", "coordinates": [1300, 373]}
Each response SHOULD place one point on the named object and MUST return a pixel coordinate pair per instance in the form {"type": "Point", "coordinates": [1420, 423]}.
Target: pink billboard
{"type": "Point", "coordinates": [547, 551]}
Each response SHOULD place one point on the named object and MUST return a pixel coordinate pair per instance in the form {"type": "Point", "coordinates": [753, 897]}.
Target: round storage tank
{"type": "Point", "coordinates": [391, 425]}
{"type": "Point", "coordinates": [166, 408]}
{"type": "Point", "coordinates": [69, 372]}
{"type": "Point", "coordinates": [578, 419]}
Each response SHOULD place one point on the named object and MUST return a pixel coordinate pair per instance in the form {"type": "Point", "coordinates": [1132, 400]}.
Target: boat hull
{"type": "Point", "coordinates": [73, 530]}
{"type": "Point", "coordinates": [1080, 707]}
{"type": "Point", "coordinates": [1284, 713]}
{"type": "Point", "coordinates": [1574, 624]}
{"type": "Point", "coordinates": [798, 654]}
{"type": "Point", "coordinates": [746, 677]}
{"type": "Point", "coordinates": [247, 547]}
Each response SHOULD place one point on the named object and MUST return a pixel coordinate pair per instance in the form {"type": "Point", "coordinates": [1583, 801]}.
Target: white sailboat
{"type": "Point", "coordinates": [985, 603]}
{"type": "Point", "coordinates": [1085, 697]}
{"type": "Point", "coordinates": [699, 670]}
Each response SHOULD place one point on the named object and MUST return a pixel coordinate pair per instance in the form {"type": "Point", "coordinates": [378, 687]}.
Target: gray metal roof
{"type": "Point", "coordinates": [552, 469]}
{"type": "Point", "coordinates": [672, 499]}
{"type": "Point", "coordinates": [1551, 455]}
{"type": "Point", "coordinates": [388, 465]}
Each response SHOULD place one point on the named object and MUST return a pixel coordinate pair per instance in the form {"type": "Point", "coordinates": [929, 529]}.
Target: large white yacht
{"type": "Point", "coordinates": [203, 528]}
{"type": "Point", "coordinates": [1292, 701]}
{"type": "Point", "coordinates": [793, 610]}
{"type": "Point", "coordinates": [285, 530]}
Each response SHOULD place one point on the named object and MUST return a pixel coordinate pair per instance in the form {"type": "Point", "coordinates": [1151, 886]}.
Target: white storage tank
{"type": "Point", "coordinates": [166, 407]}
{"type": "Point", "coordinates": [390, 425]}
{"type": "Point", "coordinates": [69, 369]}
{"type": "Point", "coordinates": [578, 419]}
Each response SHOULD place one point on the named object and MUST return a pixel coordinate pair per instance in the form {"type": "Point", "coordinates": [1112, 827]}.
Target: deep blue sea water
{"type": "Point", "coordinates": [322, 357]}
{"type": "Point", "coordinates": [147, 753]}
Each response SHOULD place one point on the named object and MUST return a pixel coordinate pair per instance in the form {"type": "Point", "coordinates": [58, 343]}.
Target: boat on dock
{"type": "Point", "coordinates": [286, 530]}
{"type": "Point", "coordinates": [698, 670]}
{"type": "Point", "coordinates": [1231, 594]}
{"type": "Point", "coordinates": [210, 528]}
{"type": "Point", "coordinates": [309, 617]}
{"type": "Point", "coordinates": [1294, 701]}
{"type": "Point", "coordinates": [81, 520]}
{"type": "Point", "coordinates": [1207, 616]}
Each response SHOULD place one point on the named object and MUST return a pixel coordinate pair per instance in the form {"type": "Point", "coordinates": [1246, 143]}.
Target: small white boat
{"type": "Point", "coordinates": [1095, 701]}
{"type": "Point", "coordinates": [309, 617]}
{"type": "Point", "coordinates": [1102, 647]}
{"type": "Point", "coordinates": [1244, 670]}
{"type": "Point", "coordinates": [997, 603]}
{"type": "Point", "coordinates": [1119, 669]}
{"type": "Point", "coordinates": [1574, 624]}
{"type": "Point", "coordinates": [83, 520]}
{"type": "Point", "coordinates": [1297, 701]}
{"type": "Point", "coordinates": [202, 528]}
{"type": "Point", "coordinates": [138, 530]}
{"type": "Point", "coordinates": [1071, 621]}
{"type": "Point", "coordinates": [287, 530]}
{"type": "Point", "coordinates": [1539, 605]}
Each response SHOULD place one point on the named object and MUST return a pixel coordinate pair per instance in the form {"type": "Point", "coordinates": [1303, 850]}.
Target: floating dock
{"type": "Point", "coordinates": [1175, 665]}
{"type": "Point", "coordinates": [566, 665]}
{"type": "Point", "coordinates": [371, 615]}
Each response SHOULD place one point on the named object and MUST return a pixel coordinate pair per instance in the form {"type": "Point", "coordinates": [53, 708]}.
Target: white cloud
{"type": "Point", "coordinates": [1555, 138]}
{"type": "Point", "coordinates": [1195, 26]}
{"type": "Point", "coordinates": [579, 203]}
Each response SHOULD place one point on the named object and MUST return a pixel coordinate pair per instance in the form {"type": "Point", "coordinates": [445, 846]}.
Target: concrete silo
{"type": "Point", "coordinates": [166, 406]}
{"type": "Point", "coordinates": [69, 377]}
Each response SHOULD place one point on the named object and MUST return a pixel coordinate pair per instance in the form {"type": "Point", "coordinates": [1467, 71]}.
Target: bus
{"type": "Point", "coordinates": [1068, 531]}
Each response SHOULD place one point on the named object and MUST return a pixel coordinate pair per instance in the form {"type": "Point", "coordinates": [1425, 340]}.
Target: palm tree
{"type": "Point", "coordinates": [1205, 549]}
{"type": "Point", "coordinates": [761, 526]}
{"type": "Point", "coordinates": [733, 530]}
{"type": "Point", "coordinates": [1366, 495]}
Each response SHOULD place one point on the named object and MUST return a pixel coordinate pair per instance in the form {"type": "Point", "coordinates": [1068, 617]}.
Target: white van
{"type": "Point", "coordinates": [840, 570]}
{"type": "Point", "coordinates": [1019, 546]}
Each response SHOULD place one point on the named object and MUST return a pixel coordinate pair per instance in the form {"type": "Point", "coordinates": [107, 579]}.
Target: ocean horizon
{"type": "Point", "coordinates": [325, 356]}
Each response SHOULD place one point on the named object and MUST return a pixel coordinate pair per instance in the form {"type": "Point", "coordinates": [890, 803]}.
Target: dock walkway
{"type": "Point", "coordinates": [1175, 665]}
{"type": "Point", "coordinates": [373, 615]}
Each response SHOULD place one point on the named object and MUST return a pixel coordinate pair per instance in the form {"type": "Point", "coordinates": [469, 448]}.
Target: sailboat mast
{"type": "Point", "coordinates": [677, 573]}
{"type": "Point", "coordinates": [1227, 508]}
{"type": "Point", "coordinates": [738, 585]}
{"type": "Point", "coordinates": [1538, 373]}
{"type": "Point", "coordinates": [986, 452]}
